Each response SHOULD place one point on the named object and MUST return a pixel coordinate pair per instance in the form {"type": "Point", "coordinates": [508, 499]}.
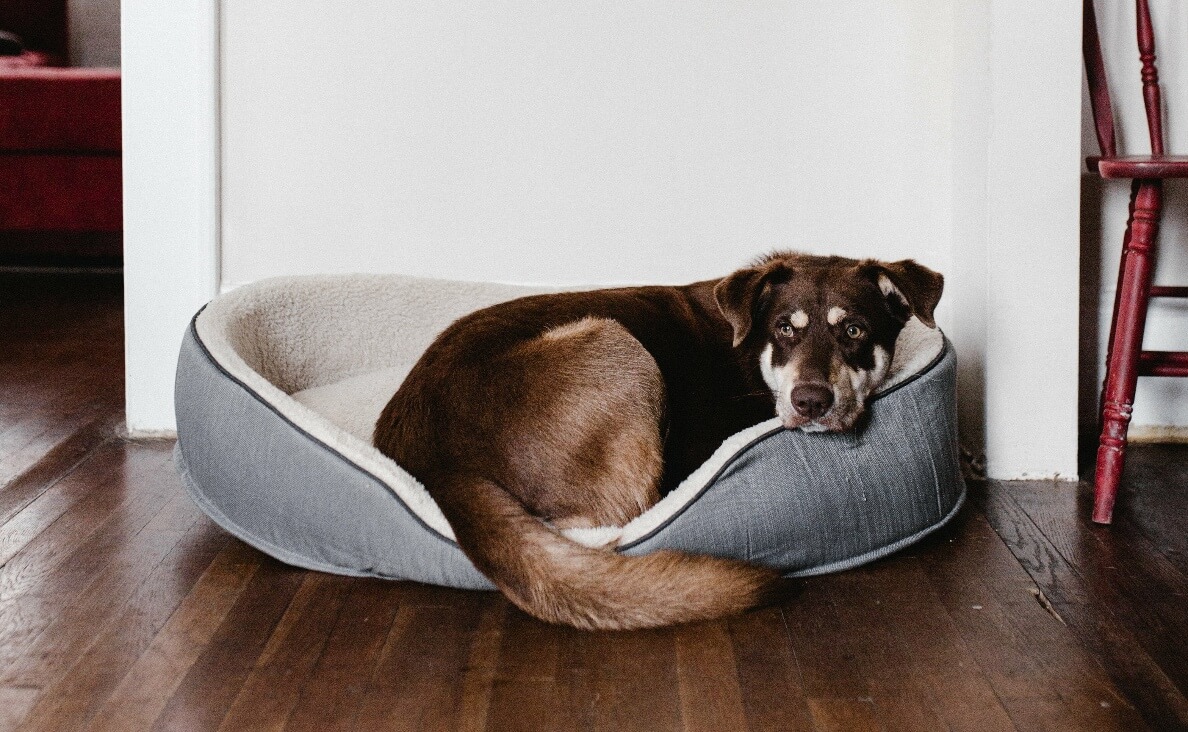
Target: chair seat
{"type": "Point", "coordinates": [1140, 166]}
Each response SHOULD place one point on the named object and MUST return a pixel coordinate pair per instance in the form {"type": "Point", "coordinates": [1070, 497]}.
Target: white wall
{"type": "Point", "coordinates": [527, 141]}
{"type": "Point", "coordinates": [537, 141]}
{"type": "Point", "coordinates": [1161, 404]}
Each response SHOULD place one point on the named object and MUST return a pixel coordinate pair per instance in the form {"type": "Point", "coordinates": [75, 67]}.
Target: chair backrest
{"type": "Point", "coordinates": [1099, 93]}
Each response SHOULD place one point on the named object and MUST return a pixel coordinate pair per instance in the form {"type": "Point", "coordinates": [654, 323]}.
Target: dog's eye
{"type": "Point", "coordinates": [786, 329]}
{"type": "Point", "coordinates": [855, 331]}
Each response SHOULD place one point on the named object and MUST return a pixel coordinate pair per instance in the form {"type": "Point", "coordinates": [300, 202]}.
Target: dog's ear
{"type": "Point", "coordinates": [740, 294]}
{"type": "Point", "coordinates": [910, 288]}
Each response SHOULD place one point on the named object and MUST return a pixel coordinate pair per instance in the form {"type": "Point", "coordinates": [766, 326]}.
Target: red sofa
{"type": "Point", "coordinates": [60, 148]}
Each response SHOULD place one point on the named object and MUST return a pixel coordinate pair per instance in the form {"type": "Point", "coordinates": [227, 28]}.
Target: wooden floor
{"type": "Point", "coordinates": [123, 608]}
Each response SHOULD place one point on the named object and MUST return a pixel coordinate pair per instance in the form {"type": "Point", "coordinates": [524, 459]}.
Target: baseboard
{"type": "Point", "coordinates": [143, 434]}
{"type": "Point", "coordinates": [1171, 434]}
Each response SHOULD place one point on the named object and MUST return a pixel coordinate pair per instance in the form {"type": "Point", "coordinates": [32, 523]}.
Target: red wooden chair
{"type": "Point", "coordinates": [1126, 359]}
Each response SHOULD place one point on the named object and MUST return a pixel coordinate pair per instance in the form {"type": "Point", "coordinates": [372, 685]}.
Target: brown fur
{"type": "Point", "coordinates": [580, 409]}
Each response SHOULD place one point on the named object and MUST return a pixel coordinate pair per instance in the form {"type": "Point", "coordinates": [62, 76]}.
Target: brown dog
{"type": "Point", "coordinates": [580, 409]}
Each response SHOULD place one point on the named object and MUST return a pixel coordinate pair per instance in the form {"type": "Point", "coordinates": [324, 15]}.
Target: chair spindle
{"type": "Point", "coordinates": [1151, 95]}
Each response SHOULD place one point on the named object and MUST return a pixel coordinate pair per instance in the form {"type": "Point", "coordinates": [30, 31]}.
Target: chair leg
{"type": "Point", "coordinates": [1118, 287]}
{"type": "Point", "coordinates": [1126, 338]}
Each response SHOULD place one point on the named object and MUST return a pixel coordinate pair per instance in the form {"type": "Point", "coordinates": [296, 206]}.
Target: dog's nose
{"type": "Point", "coordinates": [812, 400]}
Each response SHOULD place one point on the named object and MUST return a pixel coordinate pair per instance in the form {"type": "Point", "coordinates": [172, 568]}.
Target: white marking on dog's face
{"type": "Point", "coordinates": [863, 381]}
{"type": "Point", "coordinates": [813, 427]}
{"type": "Point", "coordinates": [765, 368]}
{"type": "Point", "coordinates": [799, 319]}
{"type": "Point", "coordinates": [835, 315]}
{"type": "Point", "coordinates": [780, 380]}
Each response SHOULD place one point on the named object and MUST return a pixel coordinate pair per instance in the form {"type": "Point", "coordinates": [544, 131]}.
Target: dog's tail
{"type": "Point", "coordinates": [560, 581]}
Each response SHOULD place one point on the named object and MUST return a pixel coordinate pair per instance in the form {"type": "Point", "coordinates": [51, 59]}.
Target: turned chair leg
{"type": "Point", "coordinates": [1118, 287]}
{"type": "Point", "coordinates": [1126, 342]}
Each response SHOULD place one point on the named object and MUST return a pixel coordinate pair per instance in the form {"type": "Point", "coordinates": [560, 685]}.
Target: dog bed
{"type": "Point", "coordinates": [279, 384]}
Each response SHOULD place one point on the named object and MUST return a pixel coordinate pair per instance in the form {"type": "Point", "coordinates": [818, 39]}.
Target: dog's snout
{"type": "Point", "coordinates": [812, 400]}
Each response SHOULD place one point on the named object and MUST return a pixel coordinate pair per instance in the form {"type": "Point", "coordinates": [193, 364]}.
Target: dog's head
{"type": "Point", "coordinates": [823, 329]}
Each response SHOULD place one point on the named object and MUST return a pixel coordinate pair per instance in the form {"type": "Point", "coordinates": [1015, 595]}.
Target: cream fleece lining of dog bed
{"type": "Point", "coordinates": [329, 351]}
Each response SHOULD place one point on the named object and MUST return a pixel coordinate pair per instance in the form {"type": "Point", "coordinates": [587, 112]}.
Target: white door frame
{"type": "Point", "coordinates": [170, 61]}
{"type": "Point", "coordinates": [1017, 278]}
{"type": "Point", "coordinates": [1032, 257]}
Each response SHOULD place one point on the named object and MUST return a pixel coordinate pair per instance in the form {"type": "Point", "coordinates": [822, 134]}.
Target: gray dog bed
{"type": "Point", "coordinates": [279, 384]}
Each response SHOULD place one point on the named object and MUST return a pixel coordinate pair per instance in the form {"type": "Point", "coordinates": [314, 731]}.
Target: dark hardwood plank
{"type": "Point", "coordinates": [834, 681]}
{"type": "Point", "coordinates": [843, 714]}
{"type": "Point", "coordinates": [61, 363]}
{"type": "Point", "coordinates": [342, 674]}
{"type": "Point", "coordinates": [99, 577]}
{"type": "Point", "coordinates": [633, 681]}
{"type": "Point", "coordinates": [478, 679]}
{"type": "Point", "coordinates": [575, 679]}
{"type": "Point", "coordinates": [899, 701]}
{"type": "Point", "coordinates": [56, 463]}
{"type": "Point", "coordinates": [48, 444]}
{"type": "Point", "coordinates": [1016, 642]}
{"type": "Point", "coordinates": [707, 678]}
{"type": "Point", "coordinates": [1153, 499]}
{"type": "Point", "coordinates": [70, 702]}
{"type": "Point", "coordinates": [210, 686]}
{"type": "Point", "coordinates": [19, 532]}
{"type": "Point", "coordinates": [89, 608]}
{"type": "Point", "coordinates": [274, 686]}
{"type": "Point", "coordinates": [527, 687]}
{"type": "Point", "coordinates": [60, 565]}
{"type": "Point", "coordinates": [149, 684]}
{"type": "Point", "coordinates": [417, 684]}
{"type": "Point", "coordinates": [1118, 619]}
{"type": "Point", "coordinates": [928, 647]}
{"type": "Point", "coordinates": [769, 673]}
